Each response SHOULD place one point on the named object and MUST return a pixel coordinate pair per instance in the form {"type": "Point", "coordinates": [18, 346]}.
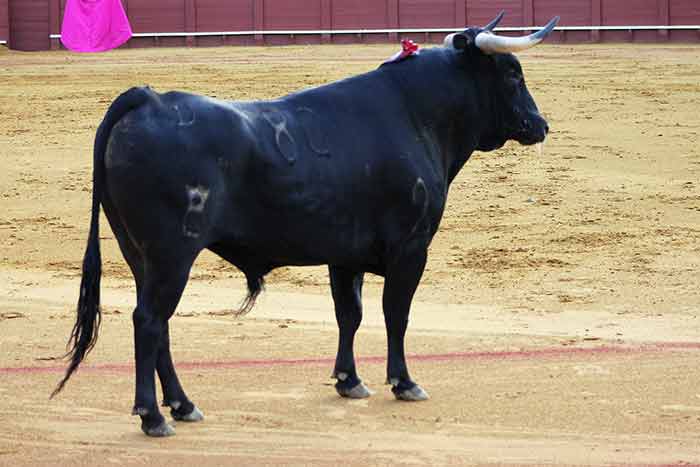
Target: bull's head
{"type": "Point", "coordinates": [501, 78]}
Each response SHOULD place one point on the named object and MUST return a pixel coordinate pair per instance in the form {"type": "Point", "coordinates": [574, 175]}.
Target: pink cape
{"type": "Point", "coordinates": [94, 25]}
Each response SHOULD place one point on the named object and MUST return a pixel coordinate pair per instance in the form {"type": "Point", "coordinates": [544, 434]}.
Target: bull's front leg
{"type": "Point", "coordinates": [402, 277]}
{"type": "Point", "coordinates": [346, 287]}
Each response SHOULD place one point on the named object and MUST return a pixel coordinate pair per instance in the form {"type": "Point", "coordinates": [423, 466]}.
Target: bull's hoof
{"type": "Point", "coordinates": [195, 415]}
{"type": "Point", "coordinates": [359, 391]}
{"type": "Point", "coordinates": [160, 431]}
{"type": "Point", "coordinates": [416, 393]}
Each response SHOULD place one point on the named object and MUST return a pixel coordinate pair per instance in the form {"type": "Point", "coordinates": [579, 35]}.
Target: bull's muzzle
{"type": "Point", "coordinates": [533, 130]}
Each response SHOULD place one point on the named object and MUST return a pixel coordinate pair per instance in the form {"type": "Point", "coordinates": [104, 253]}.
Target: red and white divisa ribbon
{"type": "Point", "coordinates": [408, 49]}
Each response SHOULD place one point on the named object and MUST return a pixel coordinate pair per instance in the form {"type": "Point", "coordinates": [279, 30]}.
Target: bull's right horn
{"type": "Point", "coordinates": [490, 43]}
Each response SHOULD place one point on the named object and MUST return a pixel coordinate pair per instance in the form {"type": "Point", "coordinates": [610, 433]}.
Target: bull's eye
{"type": "Point", "coordinates": [514, 77]}
{"type": "Point", "coordinates": [514, 81]}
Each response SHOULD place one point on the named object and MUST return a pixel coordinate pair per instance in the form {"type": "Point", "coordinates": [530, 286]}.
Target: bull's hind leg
{"type": "Point", "coordinates": [164, 283]}
{"type": "Point", "coordinates": [131, 254]}
{"type": "Point", "coordinates": [401, 281]}
{"type": "Point", "coordinates": [173, 394]}
{"type": "Point", "coordinates": [347, 295]}
{"type": "Point", "coordinates": [181, 408]}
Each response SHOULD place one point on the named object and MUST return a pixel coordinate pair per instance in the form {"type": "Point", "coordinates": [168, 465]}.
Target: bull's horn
{"type": "Point", "coordinates": [494, 22]}
{"type": "Point", "coordinates": [490, 43]}
{"type": "Point", "coordinates": [462, 40]}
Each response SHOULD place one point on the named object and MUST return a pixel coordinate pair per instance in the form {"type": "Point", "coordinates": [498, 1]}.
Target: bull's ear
{"type": "Point", "coordinates": [461, 41]}
{"type": "Point", "coordinates": [458, 41]}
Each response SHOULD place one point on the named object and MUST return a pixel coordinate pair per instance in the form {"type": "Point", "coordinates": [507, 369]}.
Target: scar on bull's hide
{"type": "Point", "coordinates": [196, 197]}
{"type": "Point", "coordinates": [418, 188]}
{"type": "Point", "coordinates": [315, 135]}
{"type": "Point", "coordinates": [185, 115]}
{"type": "Point", "coordinates": [285, 142]}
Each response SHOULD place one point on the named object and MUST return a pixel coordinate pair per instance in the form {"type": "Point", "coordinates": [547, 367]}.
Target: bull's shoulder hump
{"type": "Point", "coordinates": [369, 88]}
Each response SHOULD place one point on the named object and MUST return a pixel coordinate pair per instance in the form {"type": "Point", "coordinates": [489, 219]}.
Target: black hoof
{"type": "Point", "coordinates": [153, 423]}
{"type": "Point", "coordinates": [414, 394]}
{"type": "Point", "coordinates": [159, 431]}
{"type": "Point", "coordinates": [184, 411]}
{"type": "Point", "coordinates": [195, 415]}
{"type": "Point", "coordinates": [408, 391]}
{"type": "Point", "coordinates": [347, 382]}
{"type": "Point", "coordinates": [359, 391]}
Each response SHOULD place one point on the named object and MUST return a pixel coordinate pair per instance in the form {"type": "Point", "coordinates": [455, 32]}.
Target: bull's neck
{"type": "Point", "coordinates": [435, 102]}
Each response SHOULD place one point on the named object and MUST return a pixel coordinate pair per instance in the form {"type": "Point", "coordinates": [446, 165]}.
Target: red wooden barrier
{"type": "Point", "coordinates": [26, 23]}
{"type": "Point", "coordinates": [684, 12]}
{"type": "Point", "coordinates": [29, 24]}
{"type": "Point", "coordinates": [4, 21]}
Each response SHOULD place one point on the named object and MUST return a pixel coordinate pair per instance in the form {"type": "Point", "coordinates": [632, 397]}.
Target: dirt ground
{"type": "Point", "coordinates": [556, 324]}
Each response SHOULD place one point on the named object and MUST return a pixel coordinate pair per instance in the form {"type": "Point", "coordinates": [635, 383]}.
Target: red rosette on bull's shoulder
{"type": "Point", "coordinates": [408, 49]}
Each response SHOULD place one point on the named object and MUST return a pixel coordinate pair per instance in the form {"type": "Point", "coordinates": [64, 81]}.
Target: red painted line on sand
{"type": "Point", "coordinates": [556, 352]}
{"type": "Point", "coordinates": [673, 464]}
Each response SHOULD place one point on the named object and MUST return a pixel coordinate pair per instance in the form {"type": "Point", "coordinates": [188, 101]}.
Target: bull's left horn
{"type": "Point", "coordinates": [492, 44]}
{"type": "Point", "coordinates": [495, 21]}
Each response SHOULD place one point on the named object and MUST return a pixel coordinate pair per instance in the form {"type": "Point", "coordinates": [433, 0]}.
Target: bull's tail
{"type": "Point", "coordinates": [87, 324]}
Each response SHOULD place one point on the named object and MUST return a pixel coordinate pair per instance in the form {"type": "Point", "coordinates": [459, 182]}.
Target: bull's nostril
{"type": "Point", "coordinates": [546, 129]}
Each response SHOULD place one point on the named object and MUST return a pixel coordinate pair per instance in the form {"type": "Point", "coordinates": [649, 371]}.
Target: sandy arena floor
{"type": "Point", "coordinates": [557, 322]}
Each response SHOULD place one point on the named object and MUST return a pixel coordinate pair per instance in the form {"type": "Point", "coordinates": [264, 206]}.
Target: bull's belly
{"type": "Point", "coordinates": [306, 241]}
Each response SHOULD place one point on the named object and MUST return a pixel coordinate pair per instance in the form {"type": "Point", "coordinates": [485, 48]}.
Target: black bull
{"type": "Point", "coordinates": [354, 174]}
